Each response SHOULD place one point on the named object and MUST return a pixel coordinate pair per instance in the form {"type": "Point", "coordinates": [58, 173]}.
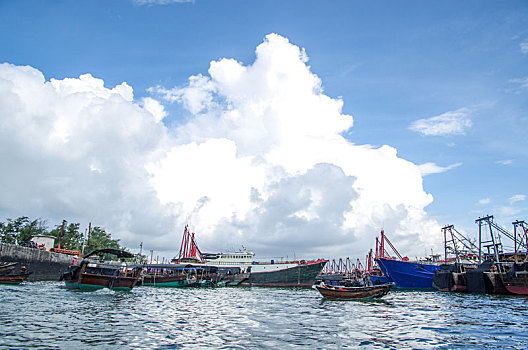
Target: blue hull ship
{"type": "Point", "coordinates": [408, 274]}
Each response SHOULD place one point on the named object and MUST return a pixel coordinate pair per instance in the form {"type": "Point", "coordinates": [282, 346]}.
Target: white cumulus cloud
{"type": "Point", "coordinates": [432, 168]}
{"type": "Point", "coordinates": [484, 201]}
{"type": "Point", "coordinates": [73, 149]}
{"type": "Point", "coordinates": [449, 123]}
{"type": "Point", "coordinates": [523, 82]}
{"type": "Point", "coordinates": [261, 161]}
{"type": "Point", "coordinates": [272, 127]}
{"type": "Point", "coordinates": [517, 198]}
{"type": "Point", "coordinates": [524, 46]}
{"type": "Point", "coordinates": [505, 162]}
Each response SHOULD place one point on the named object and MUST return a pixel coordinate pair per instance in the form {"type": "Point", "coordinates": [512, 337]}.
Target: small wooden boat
{"type": "Point", "coordinates": [7, 267]}
{"type": "Point", "coordinates": [352, 293]}
{"type": "Point", "coordinates": [179, 276]}
{"type": "Point", "coordinates": [167, 275]}
{"type": "Point", "coordinates": [92, 275]}
{"type": "Point", "coordinates": [14, 279]}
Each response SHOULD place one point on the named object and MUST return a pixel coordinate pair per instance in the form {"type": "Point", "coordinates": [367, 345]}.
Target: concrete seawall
{"type": "Point", "coordinates": [44, 265]}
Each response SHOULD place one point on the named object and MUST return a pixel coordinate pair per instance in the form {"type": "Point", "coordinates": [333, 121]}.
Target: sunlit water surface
{"type": "Point", "coordinates": [46, 315]}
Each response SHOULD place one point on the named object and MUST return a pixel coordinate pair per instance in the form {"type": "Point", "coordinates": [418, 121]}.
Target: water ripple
{"type": "Point", "coordinates": [48, 316]}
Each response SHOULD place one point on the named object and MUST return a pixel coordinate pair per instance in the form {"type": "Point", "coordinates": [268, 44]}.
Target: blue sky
{"type": "Point", "coordinates": [390, 63]}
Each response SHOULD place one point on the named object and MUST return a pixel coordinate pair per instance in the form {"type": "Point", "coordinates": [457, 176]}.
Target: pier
{"type": "Point", "coordinates": [44, 265]}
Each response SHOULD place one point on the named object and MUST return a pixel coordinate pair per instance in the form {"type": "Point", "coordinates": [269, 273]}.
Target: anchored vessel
{"type": "Point", "coordinates": [350, 293]}
{"type": "Point", "coordinates": [515, 280]}
{"type": "Point", "coordinates": [299, 273]}
{"type": "Point", "coordinates": [343, 271]}
{"type": "Point", "coordinates": [178, 276]}
{"type": "Point", "coordinates": [409, 274]}
{"type": "Point", "coordinates": [271, 274]}
{"type": "Point", "coordinates": [486, 268]}
{"type": "Point", "coordinates": [8, 277]}
{"type": "Point", "coordinates": [405, 273]}
{"type": "Point", "coordinates": [7, 267]}
{"type": "Point", "coordinates": [93, 274]}
{"type": "Point", "coordinates": [14, 279]}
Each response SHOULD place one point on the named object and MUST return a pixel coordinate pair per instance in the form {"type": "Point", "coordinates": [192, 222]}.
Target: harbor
{"type": "Point", "coordinates": [216, 300]}
{"type": "Point", "coordinates": [493, 266]}
{"type": "Point", "coordinates": [493, 262]}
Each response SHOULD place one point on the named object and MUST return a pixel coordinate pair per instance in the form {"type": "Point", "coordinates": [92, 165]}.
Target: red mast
{"type": "Point", "coordinates": [382, 247]}
{"type": "Point", "coordinates": [62, 230]}
{"type": "Point", "coordinates": [188, 248]}
{"type": "Point", "coordinates": [369, 262]}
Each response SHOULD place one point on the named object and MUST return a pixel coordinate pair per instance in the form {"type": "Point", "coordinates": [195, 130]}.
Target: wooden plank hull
{"type": "Point", "coordinates": [90, 277]}
{"type": "Point", "coordinates": [352, 293]}
{"type": "Point", "coordinates": [7, 267]}
{"type": "Point", "coordinates": [90, 282]}
{"type": "Point", "coordinates": [14, 279]}
{"type": "Point", "coordinates": [165, 281]}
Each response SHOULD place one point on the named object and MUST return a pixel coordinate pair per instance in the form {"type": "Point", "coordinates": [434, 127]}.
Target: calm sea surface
{"type": "Point", "coordinates": [48, 316]}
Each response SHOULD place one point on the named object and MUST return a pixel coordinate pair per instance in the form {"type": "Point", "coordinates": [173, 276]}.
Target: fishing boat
{"type": "Point", "coordinates": [452, 277]}
{"type": "Point", "coordinates": [8, 277]}
{"type": "Point", "coordinates": [93, 274]}
{"type": "Point", "coordinates": [515, 280]}
{"type": "Point", "coordinates": [285, 274]}
{"type": "Point", "coordinates": [7, 267]}
{"type": "Point", "coordinates": [373, 270]}
{"type": "Point", "coordinates": [403, 272]}
{"type": "Point", "coordinates": [491, 270]}
{"type": "Point", "coordinates": [14, 278]}
{"type": "Point", "coordinates": [453, 274]}
{"type": "Point", "coordinates": [353, 293]}
{"type": "Point", "coordinates": [409, 274]}
{"type": "Point", "coordinates": [178, 276]}
{"type": "Point", "coordinates": [298, 273]}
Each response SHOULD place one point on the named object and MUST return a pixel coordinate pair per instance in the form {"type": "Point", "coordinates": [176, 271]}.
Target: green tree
{"type": "Point", "coordinates": [21, 229]}
{"type": "Point", "coordinates": [71, 238]}
{"type": "Point", "coordinates": [100, 239]}
{"type": "Point", "coordinates": [32, 228]}
{"type": "Point", "coordinates": [7, 235]}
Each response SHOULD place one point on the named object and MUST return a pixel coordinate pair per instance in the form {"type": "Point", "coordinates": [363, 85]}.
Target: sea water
{"type": "Point", "coordinates": [48, 316]}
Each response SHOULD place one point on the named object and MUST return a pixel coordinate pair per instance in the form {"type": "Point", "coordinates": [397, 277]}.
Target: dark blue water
{"type": "Point", "coordinates": [45, 315]}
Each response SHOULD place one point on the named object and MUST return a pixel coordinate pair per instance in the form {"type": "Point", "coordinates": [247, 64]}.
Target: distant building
{"type": "Point", "coordinates": [44, 241]}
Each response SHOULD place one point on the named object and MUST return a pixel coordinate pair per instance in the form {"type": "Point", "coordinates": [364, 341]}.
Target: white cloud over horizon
{"type": "Point", "coordinates": [505, 162]}
{"type": "Point", "coordinates": [517, 198]}
{"type": "Point", "coordinates": [432, 168]}
{"type": "Point", "coordinates": [484, 201]}
{"type": "Point", "coordinates": [449, 123]}
{"type": "Point", "coordinates": [524, 46]}
{"type": "Point", "coordinates": [523, 82]}
{"type": "Point", "coordinates": [261, 161]}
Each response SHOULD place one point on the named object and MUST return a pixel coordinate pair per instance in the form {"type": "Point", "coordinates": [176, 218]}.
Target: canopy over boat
{"type": "Point", "coordinates": [119, 253]}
